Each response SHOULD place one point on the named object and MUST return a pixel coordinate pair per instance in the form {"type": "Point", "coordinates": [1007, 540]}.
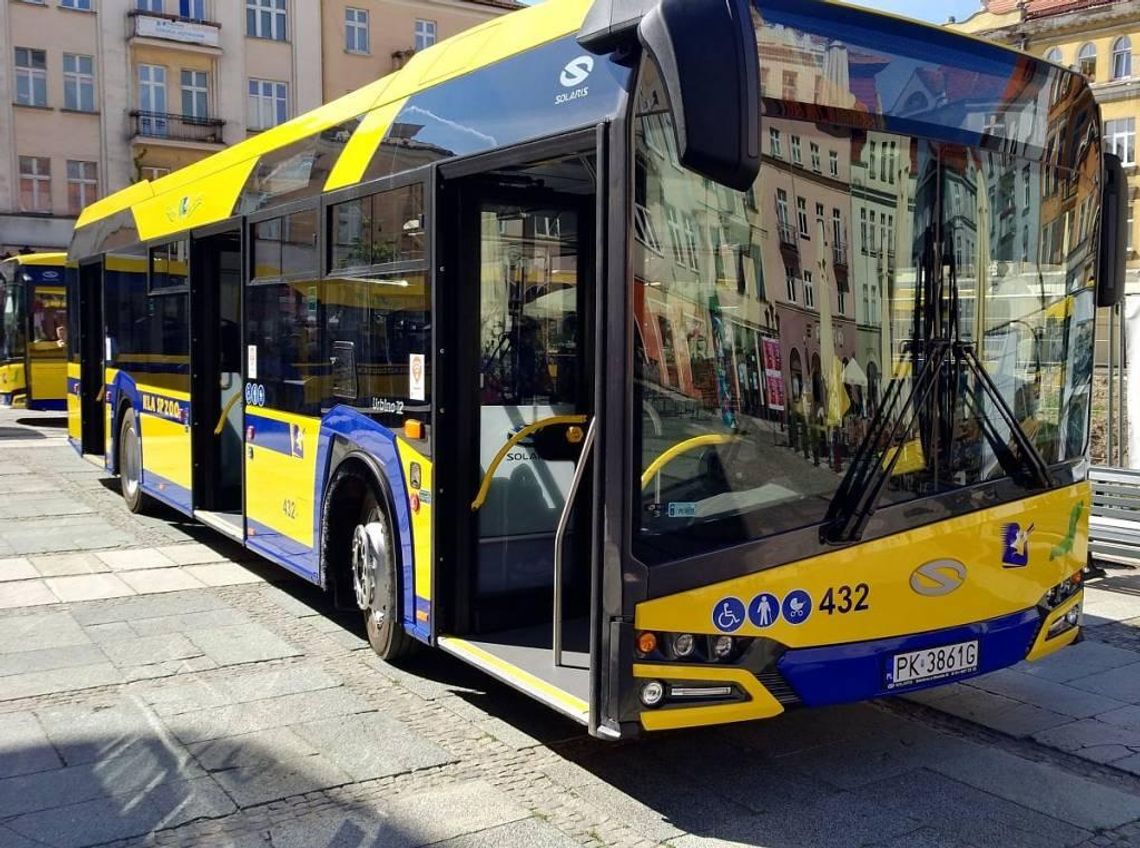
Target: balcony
{"type": "Point", "coordinates": [176, 130]}
{"type": "Point", "coordinates": [789, 244]}
{"type": "Point", "coordinates": [839, 254]}
{"type": "Point", "coordinates": [199, 35]}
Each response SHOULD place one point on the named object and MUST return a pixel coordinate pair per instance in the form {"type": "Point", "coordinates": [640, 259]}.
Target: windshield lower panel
{"type": "Point", "coordinates": [878, 314]}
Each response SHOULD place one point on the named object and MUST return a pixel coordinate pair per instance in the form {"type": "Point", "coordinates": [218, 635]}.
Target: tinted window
{"type": "Point", "coordinates": [379, 229]}
{"type": "Point", "coordinates": [283, 326]}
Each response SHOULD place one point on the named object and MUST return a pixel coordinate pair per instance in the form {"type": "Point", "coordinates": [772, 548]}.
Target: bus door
{"type": "Point", "coordinates": [217, 387]}
{"type": "Point", "coordinates": [91, 347]}
{"type": "Point", "coordinates": [526, 276]}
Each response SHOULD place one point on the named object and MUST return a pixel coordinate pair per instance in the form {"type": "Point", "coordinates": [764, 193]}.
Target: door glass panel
{"type": "Point", "coordinates": [530, 372]}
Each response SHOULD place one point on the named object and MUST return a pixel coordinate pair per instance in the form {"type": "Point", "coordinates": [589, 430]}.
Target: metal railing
{"type": "Point", "coordinates": [172, 127]}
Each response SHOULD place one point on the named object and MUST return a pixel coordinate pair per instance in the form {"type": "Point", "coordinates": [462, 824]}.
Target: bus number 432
{"type": "Point", "coordinates": [845, 599]}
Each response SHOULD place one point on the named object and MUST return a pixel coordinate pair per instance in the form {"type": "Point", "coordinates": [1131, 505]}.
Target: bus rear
{"type": "Point", "coordinates": [860, 389]}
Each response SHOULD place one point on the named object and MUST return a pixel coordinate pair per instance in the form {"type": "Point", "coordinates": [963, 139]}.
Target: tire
{"type": "Point", "coordinates": [130, 462]}
{"type": "Point", "coordinates": [375, 581]}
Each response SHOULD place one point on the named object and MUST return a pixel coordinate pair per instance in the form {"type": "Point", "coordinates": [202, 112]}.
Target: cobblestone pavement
{"type": "Point", "coordinates": [158, 687]}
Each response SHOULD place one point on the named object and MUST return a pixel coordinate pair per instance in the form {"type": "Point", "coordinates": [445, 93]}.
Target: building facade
{"type": "Point", "coordinates": [98, 94]}
{"type": "Point", "coordinates": [1097, 38]}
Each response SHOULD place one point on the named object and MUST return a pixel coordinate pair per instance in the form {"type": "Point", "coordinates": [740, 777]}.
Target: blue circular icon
{"type": "Point", "coordinates": [797, 607]}
{"type": "Point", "coordinates": [764, 611]}
{"type": "Point", "coordinates": [728, 615]}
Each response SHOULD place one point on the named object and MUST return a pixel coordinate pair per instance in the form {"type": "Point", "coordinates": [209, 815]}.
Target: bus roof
{"type": "Point", "coordinates": [378, 103]}
{"type": "Point", "coordinates": [50, 259]}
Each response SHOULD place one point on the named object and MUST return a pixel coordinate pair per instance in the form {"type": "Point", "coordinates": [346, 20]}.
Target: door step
{"type": "Point", "coordinates": [227, 523]}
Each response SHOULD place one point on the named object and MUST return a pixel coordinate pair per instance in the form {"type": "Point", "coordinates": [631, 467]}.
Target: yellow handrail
{"type": "Point", "coordinates": [683, 447]}
{"type": "Point", "coordinates": [226, 413]}
{"type": "Point", "coordinates": [485, 486]}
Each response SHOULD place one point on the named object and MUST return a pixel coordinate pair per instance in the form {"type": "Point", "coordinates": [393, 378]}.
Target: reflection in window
{"type": "Point", "coordinates": [1086, 60]}
{"type": "Point", "coordinates": [379, 229]}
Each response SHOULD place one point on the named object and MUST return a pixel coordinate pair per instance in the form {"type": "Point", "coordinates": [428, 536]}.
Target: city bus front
{"type": "Point", "coordinates": [33, 328]}
{"type": "Point", "coordinates": [857, 392]}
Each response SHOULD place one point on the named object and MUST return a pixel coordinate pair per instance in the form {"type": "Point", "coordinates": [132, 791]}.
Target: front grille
{"type": "Point", "coordinates": [774, 682]}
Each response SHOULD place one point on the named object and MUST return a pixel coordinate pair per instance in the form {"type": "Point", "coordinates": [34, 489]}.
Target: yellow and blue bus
{"type": "Point", "coordinates": [655, 358]}
{"type": "Point", "coordinates": [33, 331]}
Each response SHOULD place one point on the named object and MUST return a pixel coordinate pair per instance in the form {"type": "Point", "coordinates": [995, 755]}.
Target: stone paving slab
{"type": "Point", "coordinates": [16, 568]}
{"type": "Point", "coordinates": [24, 747]}
{"type": "Point", "coordinates": [1121, 683]}
{"type": "Point", "coordinates": [1069, 700]}
{"type": "Point", "coordinates": [51, 536]}
{"type": "Point", "coordinates": [222, 574]}
{"type": "Point", "coordinates": [46, 659]}
{"type": "Point", "coordinates": [35, 683]}
{"type": "Point", "coordinates": [1080, 660]}
{"type": "Point", "coordinates": [88, 587]}
{"type": "Point", "coordinates": [47, 629]}
{"type": "Point", "coordinates": [155, 580]}
{"type": "Point", "coordinates": [135, 559]}
{"type": "Point", "coordinates": [67, 565]}
{"type": "Point", "coordinates": [26, 593]}
{"type": "Point", "coordinates": [344, 742]}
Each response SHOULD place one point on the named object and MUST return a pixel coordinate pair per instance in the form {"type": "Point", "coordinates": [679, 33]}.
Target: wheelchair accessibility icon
{"type": "Point", "coordinates": [728, 615]}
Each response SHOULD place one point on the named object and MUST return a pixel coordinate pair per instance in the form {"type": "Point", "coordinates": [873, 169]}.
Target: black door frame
{"type": "Point", "coordinates": [205, 405]}
{"type": "Point", "coordinates": [92, 358]}
{"type": "Point", "coordinates": [460, 191]}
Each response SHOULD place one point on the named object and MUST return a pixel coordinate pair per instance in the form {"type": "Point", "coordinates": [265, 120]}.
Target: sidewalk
{"type": "Point", "coordinates": [1084, 700]}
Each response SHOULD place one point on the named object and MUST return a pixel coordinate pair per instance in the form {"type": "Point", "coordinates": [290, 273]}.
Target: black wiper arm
{"type": "Point", "coordinates": [1030, 457]}
{"type": "Point", "coordinates": [854, 503]}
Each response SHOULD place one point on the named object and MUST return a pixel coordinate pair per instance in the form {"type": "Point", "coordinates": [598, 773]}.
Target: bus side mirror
{"type": "Point", "coordinates": [707, 53]}
{"type": "Point", "coordinates": [1113, 234]}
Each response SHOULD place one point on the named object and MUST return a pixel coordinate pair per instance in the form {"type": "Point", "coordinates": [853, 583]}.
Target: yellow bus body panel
{"type": "Point", "coordinates": [421, 521]}
{"type": "Point", "coordinates": [74, 411]}
{"type": "Point", "coordinates": [273, 478]}
{"type": "Point", "coordinates": [12, 379]}
{"type": "Point", "coordinates": [888, 566]}
{"type": "Point", "coordinates": [165, 442]}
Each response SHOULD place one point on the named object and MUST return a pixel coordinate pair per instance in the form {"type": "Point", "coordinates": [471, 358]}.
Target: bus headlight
{"type": "Point", "coordinates": [1065, 623]}
{"type": "Point", "coordinates": [652, 692]}
{"type": "Point", "coordinates": [684, 644]}
{"type": "Point", "coordinates": [722, 647]}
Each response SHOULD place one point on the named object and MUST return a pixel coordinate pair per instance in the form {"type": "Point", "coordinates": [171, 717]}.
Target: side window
{"type": "Point", "coordinates": [378, 306]}
{"type": "Point", "coordinates": [284, 315]}
{"type": "Point", "coordinates": [170, 266]}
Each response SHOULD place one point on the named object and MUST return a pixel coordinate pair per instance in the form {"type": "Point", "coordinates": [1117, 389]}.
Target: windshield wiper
{"type": "Point", "coordinates": [855, 500]}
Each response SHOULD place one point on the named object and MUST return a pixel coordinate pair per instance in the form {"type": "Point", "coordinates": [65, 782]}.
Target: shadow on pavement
{"type": "Point", "coordinates": [19, 433]}
{"type": "Point", "coordinates": [59, 422]}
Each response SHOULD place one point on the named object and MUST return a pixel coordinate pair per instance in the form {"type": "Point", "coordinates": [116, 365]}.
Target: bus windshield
{"type": "Point", "coordinates": [883, 312]}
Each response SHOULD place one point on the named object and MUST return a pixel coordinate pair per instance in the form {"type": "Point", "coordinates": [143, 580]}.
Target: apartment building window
{"type": "Point", "coordinates": [1121, 136]}
{"type": "Point", "coordinates": [268, 104]}
{"type": "Point", "coordinates": [152, 100]}
{"type": "Point", "coordinates": [790, 283]}
{"type": "Point", "coordinates": [833, 162]}
{"type": "Point", "coordinates": [35, 184]}
{"type": "Point", "coordinates": [801, 214]}
{"type": "Point", "coordinates": [31, 77]}
{"type": "Point", "coordinates": [82, 5]}
{"type": "Point", "coordinates": [82, 185]}
{"type": "Point", "coordinates": [863, 230]}
{"type": "Point", "coordinates": [265, 19]}
{"type": "Point", "coordinates": [797, 153]}
{"type": "Point", "coordinates": [1086, 60]}
{"type": "Point", "coordinates": [78, 82]}
{"type": "Point", "coordinates": [153, 172]}
{"type": "Point", "coordinates": [1131, 223]}
{"type": "Point", "coordinates": [842, 302]}
{"type": "Point", "coordinates": [356, 30]}
{"type": "Point", "coordinates": [837, 230]}
{"type": "Point", "coordinates": [774, 145]}
{"type": "Point", "coordinates": [809, 290]}
{"type": "Point", "coordinates": [193, 10]}
{"type": "Point", "coordinates": [1054, 55]}
{"type": "Point", "coordinates": [782, 207]}
{"type": "Point", "coordinates": [195, 95]}
{"type": "Point", "coordinates": [816, 164]}
{"type": "Point", "coordinates": [874, 159]}
{"type": "Point", "coordinates": [1122, 58]}
{"type": "Point", "coordinates": [676, 235]}
{"type": "Point", "coordinates": [425, 34]}
{"type": "Point", "coordinates": [150, 6]}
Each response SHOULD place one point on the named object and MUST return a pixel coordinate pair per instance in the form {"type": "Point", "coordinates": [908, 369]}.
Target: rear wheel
{"type": "Point", "coordinates": [130, 462]}
{"type": "Point", "coordinates": [375, 583]}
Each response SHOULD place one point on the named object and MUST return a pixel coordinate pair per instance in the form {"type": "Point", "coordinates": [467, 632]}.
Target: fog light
{"type": "Point", "coordinates": [647, 642]}
{"type": "Point", "coordinates": [722, 647]}
{"type": "Point", "coordinates": [683, 644]}
{"type": "Point", "coordinates": [652, 693]}
{"type": "Point", "coordinates": [1065, 623]}
{"type": "Point", "coordinates": [1073, 616]}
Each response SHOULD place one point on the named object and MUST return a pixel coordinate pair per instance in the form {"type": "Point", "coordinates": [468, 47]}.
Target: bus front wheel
{"type": "Point", "coordinates": [375, 582]}
{"type": "Point", "coordinates": [130, 462]}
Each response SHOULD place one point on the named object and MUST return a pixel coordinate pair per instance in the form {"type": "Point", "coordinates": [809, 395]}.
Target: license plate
{"type": "Point", "coordinates": [932, 664]}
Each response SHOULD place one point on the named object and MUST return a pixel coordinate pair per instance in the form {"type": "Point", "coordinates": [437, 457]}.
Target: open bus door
{"type": "Point", "coordinates": [520, 387]}
{"type": "Point", "coordinates": [92, 358]}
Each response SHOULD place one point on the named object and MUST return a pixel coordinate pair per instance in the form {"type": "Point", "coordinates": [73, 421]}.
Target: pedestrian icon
{"type": "Point", "coordinates": [764, 610]}
{"type": "Point", "coordinates": [728, 614]}
{"type": "Point", "coordinates": [797, 607]}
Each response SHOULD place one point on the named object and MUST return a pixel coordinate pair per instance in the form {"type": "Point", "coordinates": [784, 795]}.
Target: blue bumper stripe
{"type": "Point", "coordinates": [839, 674]}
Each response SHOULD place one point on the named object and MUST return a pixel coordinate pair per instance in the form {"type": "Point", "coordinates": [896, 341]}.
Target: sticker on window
{"type": "Point", "coordinates": [251, 362]}
{"type": "Point", "coordinates": [416, 376]}
{"type": "Point", "coordinates": [683, 509]}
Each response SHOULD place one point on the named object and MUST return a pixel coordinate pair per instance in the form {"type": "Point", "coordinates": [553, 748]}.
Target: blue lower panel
{"type": "Point", "coordinates": [48, 405]}
{"type": "Point", "coordinates": [167, 491]}
{"type": "Point", "coordinates": [839, 674]}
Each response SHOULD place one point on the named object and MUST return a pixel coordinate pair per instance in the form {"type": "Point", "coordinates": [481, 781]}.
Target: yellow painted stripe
{"type": "Point", "coordinates": [50, 259]}
{"type": "Point", "coordinates": [1043, 647]}
{"type": "Point", "coordinates": [353, 162]}
{"type": "Point", "coordinates": [761, 703]}
{"type": "Point", "coordinates": [548, 693]}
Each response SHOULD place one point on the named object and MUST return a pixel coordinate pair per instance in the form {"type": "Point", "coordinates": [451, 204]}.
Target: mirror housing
{"type": "Point", "coordinates": [1113, 258]}
{"type": "Point", "coordinates": [707, 54]}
